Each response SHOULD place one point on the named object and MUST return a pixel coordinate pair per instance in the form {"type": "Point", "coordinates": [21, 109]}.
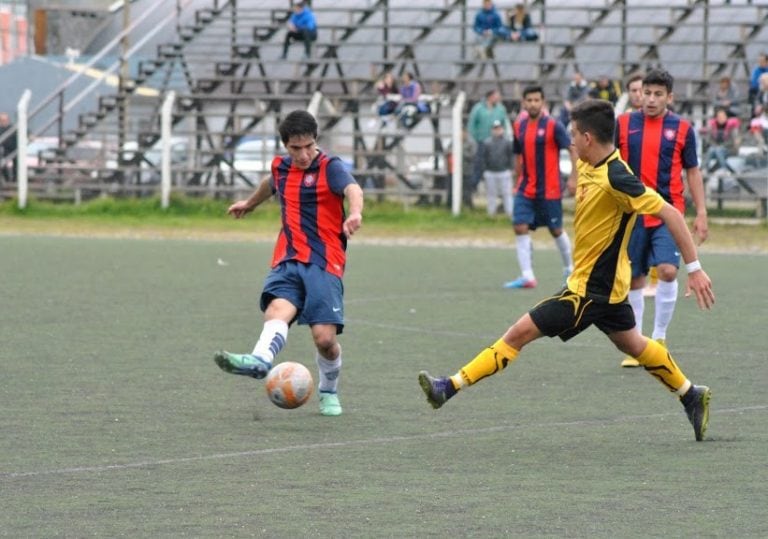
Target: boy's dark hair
{"type": "Point", "coordinates": [297, 123]}
{"type": "Point", "coordinates": [532, 89]}
{"type": "Point", "coordinates": [595, 116]}
{"type": "Point", "coordinates": [660, 77]}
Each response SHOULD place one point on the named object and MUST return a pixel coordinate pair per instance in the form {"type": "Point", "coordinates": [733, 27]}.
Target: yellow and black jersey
{"type": "Point", "coordinates": [608, 199]}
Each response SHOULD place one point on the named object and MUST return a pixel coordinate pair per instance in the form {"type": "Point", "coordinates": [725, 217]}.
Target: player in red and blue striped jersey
{"type": "Point", "coordinates": [659, 146]}
{"type": "Point", "coordinates": [305, 283]}
{"type": "Point", "coordinates": [538, 194]}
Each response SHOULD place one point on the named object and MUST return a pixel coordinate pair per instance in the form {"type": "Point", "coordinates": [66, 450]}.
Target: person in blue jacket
{"type": "Point", "coordinates": [488, 29]}
{"type": "Point", "coordinates": [302, 26]}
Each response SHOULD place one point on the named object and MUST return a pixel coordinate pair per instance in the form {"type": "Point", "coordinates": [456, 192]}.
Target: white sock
{"type": "Point", "coordinates": [666, 299]}
{"type": "Point", "coordinates": [328, 373]}
{"type": "Point", "coordinates": [272, 340]}
{"type": "Point", "coordinates": [563, 243]}
{"type": "Point", "coordinates": [637, 300]}
{"type": "Point", "coordinates": [524, 255]}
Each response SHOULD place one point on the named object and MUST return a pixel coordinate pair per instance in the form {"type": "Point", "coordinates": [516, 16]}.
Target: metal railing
{"type": "Point", "coordinates": [51, 111]}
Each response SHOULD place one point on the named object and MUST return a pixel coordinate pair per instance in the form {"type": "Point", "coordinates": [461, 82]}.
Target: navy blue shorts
{"type": "Point", "coordinates": [651, 247]}
{"type": "Point", "coordinates": [538, 212]}
{"type": "Point", "coordinates": [317, 295]}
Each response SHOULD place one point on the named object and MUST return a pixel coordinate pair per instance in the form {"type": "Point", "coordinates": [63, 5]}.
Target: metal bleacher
{"type": "Point", "coordinates": [222, 60]}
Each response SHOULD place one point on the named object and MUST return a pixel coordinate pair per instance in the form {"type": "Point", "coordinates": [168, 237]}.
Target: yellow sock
{"type": "Point", "coordinates": [490, 361]}
{"type": "Point", "coordinates": [653, 274]}
{"type": "Point", "coordinates": [656, 360]}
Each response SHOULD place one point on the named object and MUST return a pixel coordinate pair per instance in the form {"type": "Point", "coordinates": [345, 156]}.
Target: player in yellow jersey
{"type": "Point", "coordinates": [608, 199]}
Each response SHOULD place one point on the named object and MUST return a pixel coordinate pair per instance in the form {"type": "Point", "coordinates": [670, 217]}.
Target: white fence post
{"type": "Point", "coordinates": [457, 153]}
{"type": "Point", "coordinates": [165, 141]}
{"type": "Point", "coordinates": [314, 104]}
{"type": "Point", "coordinates": [22, 137]}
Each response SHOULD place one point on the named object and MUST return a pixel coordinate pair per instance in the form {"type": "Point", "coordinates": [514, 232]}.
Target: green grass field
{"type": "Point", "coordinates": [116, 422]}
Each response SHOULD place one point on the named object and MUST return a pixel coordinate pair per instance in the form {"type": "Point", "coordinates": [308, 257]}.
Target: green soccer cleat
{"type": "Point", "coordinates": [329, 404]}
{"type": "Point", "coordinates": [696, 404]}
{"type": "Point", "coordinates": [243, 364]}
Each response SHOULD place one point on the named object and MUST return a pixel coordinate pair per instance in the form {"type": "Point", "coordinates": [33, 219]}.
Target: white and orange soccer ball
{"type": "Point", "coordinates": [289, 384]}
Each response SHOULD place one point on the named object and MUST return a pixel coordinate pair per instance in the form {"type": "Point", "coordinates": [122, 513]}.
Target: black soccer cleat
{"type": "Point", "coordinates": [696, 404]}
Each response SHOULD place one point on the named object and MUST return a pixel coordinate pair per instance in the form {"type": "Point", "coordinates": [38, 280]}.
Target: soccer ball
{"type": "Point", "coordinates": [289, 384]}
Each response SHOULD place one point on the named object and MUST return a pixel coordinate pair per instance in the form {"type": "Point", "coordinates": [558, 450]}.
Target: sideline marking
{"type": "Point", "coordinates": [352, 443]}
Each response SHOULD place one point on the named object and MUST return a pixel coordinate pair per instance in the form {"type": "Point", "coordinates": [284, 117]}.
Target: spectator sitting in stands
{"type": "Point", "coordinates": [721, 139]}
{"type": "Point", "coordinates": [727, 97]}
{"type": "Point", "coordinates": [758, 126]}
{"type": "Point", "coordinates": [520, 26]}
{"type": "Point", "coordinates": [488, 29]}
{"type": "Point", "coordinates": [577, 91]}
{"type": "Point", "coordinates": [760, 102]}
{"type": "Point", "coordinates": [302, 26]}
{"type": "Point", "coordinates": [606, 89]}
{"type": "Point", "coordinates": [411, 107]}
{"type": "Point", "coordinates": [757, 135]}
{"type": "Point", "coordinates": [386, 87]}
{"type": "Point", "coordinates": [754, 79]}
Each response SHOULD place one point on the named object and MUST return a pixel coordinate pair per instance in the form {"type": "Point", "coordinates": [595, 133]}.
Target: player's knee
{"type": "Point", "coordinates": [325, 343]}
{"type": "Point", "coordinates": [667, 272]}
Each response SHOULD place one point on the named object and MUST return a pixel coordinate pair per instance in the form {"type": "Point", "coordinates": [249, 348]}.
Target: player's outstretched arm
{"type": "Point", "coordinates": [354, 220]}
{"type": "Point", "coordinates": [243, 207]}
{"type": "Point", "coordinates": [698, 281]}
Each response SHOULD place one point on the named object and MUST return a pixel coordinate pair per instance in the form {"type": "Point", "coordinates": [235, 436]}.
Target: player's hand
{"type": "Point", "coordinates": [700, 229]}
{"type": "Point", "coordinates": [700, 283]}
{"type": "Point", "coordinates": [352, 224]}
{"type": "Point", "coordinates": [239, 209]}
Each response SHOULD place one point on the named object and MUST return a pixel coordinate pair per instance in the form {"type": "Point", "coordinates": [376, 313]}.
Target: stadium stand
{"type": "Point", "coordinates": [221, 58]}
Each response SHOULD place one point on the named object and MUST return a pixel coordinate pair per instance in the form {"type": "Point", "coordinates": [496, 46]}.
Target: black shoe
{"type": "Point", "coordinates": [696, 404]}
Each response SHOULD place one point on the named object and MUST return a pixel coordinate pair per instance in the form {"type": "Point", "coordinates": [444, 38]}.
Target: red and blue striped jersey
{"type": "Point", "coordinates": [312, 212]}
{"type": "Point", "coordinates": [538, 144]}
{"type": "Point", "coordinates": [658, 150]}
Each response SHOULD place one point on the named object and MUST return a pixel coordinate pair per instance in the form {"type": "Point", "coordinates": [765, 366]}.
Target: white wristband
{"type": "Point", "coordinates": [693, 266]}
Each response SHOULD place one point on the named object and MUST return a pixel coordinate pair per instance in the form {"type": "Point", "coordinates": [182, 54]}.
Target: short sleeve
{"type": "Point", "coordinates": [561, 136]}
{"type": "Point", "coordinates": [689, 157]}
{"type": "Point", "coordinates": [630, 193]}
{"type": "Point", "coordinates": [517, 146]}
{"type": "Point", "coordinates": [338, 176]}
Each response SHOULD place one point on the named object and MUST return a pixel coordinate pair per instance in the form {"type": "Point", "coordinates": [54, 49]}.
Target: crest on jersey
{"type": "Point", "coordinates": [541, 132]}
{"type": "Point", "coordinates": [670, 134]}
{"type": "Point", "coordinates": [309, 180]}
